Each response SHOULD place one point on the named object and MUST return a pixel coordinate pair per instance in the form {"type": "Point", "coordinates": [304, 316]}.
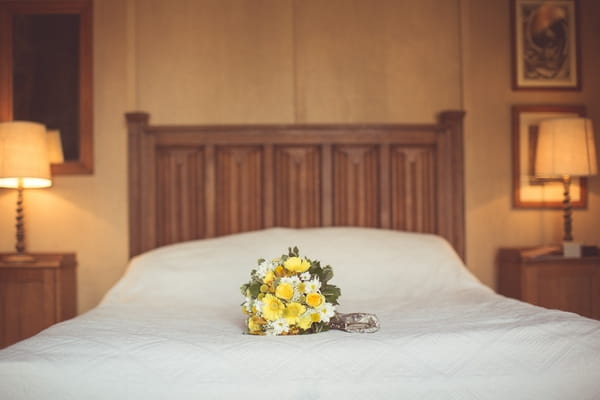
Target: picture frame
{"type": "Point", "coordinates": [545, 45]}
{"type": "Point", "coordinates": [529, 191]}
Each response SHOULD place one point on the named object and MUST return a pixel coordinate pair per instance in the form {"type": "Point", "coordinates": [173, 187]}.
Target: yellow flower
{"type": "Point", "coordinates": [296, 264]}
{"type": "Point", "coordinates": [314, 299]}
{"type": "Point", "coordinates": [269, 277]}
{"type": "Point", "coordinates": [284, 291]}
{"type": "Point", "coordinates": [292, 312]}
{"type": "Point", "coordinates": [315, 317]}
{"type": "Point", "coordinates": [272, 308]}
{"type": "Point", "coordinates": [255, 324]}
{"type": "Point", "coordinates": [279, 271]}
{"type": "Point", "coordinates": [305, 321]}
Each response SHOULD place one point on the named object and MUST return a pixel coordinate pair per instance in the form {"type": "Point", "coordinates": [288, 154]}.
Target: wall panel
{"type": "Point", "coordinates": [180, 192]}
{"type": "Point", "coordinates": [214, 61]}
{"type": "Point", "coordinates": [376, 61]}
{"type": "Point", "coordinates": [355, 186]}
{"type": "Point", "coordinates": [239, 189]}
{"type": "Point", "coordinates": [297, 186]}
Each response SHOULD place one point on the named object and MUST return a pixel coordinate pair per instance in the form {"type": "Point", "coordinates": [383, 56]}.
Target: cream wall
{"type": "Point", "coordinates": [491, 221]}
{"type": "Point", "coordinates": [251, 61]}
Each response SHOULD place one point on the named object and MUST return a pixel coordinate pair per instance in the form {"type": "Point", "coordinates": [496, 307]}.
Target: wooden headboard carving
{"type": "Point", "coordinates": [191, 182]}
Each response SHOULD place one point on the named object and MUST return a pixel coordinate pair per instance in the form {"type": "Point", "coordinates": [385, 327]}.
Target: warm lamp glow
{"type": "Point", "coordinates": [55, 151]}
{"type": "Point", "coordinates": [24, 155]}
{"type": "Point", "coordinates": [566, 148]}
{"type": "Point", "coordinates": [23, 164]}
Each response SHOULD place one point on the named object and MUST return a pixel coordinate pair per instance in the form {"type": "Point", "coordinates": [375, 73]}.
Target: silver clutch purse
{"type": "Point", "coordinates": [355, 322]}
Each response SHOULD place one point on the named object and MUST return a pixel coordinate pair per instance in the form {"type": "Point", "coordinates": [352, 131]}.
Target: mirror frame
{"type": "Point", "coordinates": [85, 163]}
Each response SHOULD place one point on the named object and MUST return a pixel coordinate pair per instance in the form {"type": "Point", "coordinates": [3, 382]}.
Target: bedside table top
{"type": "Point", "coordinates": [528, 255]}
{"type": "Point", "coordinates": [41, 260]}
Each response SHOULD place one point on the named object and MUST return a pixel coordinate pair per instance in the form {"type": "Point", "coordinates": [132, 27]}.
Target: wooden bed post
{"type": "Point", "coordinates": [136, 126]}
{"type": "Point", "coordinates": [451, 202]}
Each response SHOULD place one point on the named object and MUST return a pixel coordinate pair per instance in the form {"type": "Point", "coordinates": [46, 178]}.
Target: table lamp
{"type": "Point", "coordinates": [55, 151]}
{"type": "Point", "coordinates": [24, 164]}
{"type": "Point", "coordinates": [566, 149]}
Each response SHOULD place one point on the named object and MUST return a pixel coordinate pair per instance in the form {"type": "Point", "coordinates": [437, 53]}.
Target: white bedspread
{"type": "Point", "coordinates": [172, 329]}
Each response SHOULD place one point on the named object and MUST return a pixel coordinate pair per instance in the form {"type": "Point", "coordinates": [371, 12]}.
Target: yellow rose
{"type": "Point", "coordinates": [284, 291]}
{"type": "Point", "coordinates": [279, 271]}
{"type": "Point", "coordinates": [305, 322]}
{"type": "Point", "coordinates": [296, 264]}
{"type": "Point", "coordinates": [314, 299]}
{"type": "Point", "coordinates": [272, 308]}
{"type": "Point", "coordinates": [269, 277]}
{"type": "Point", "coordinates": [292, 312]}
{"type": "Point", "coordinates": [255, 324]}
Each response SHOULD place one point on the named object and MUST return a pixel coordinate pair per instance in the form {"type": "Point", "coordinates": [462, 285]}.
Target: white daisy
{"type": "Point", "coordinates": [279, 326]}
{"type": "Point", "coordinates": [293, 280]}
{"type": "Point", "coordinates": [248, 304]}
{"type": "Point", "coordinates": [257, 305]}
{"type": "Point", "coordinates": [305, 276]}
{"type": "Point", "coordinates": [263, 268]}
{"type": "Point", "coordinates": [312, 286]}
{"type": "Point", "coordinates": [326, 310]}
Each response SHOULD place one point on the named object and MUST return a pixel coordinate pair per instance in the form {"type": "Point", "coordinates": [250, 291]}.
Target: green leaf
{"type": "Point", "coordinates": [254, 288]}
{"type": "Point", "coordinates": [293, 252]}
{"type": "Point", "coordinates": [243, 288]}
{"type": "Point", "coordinates": [326, 274]}
{"type": "Point", "coordinates": [331, 293]}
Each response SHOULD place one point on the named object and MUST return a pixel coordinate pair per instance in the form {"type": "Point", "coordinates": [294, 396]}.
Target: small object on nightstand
{"type": "Point", "coordinates": [551, 281]}
{"type": "Point", "coordinates": [36, 294]}
{"type": "Point", "coordinates": [572, 249]}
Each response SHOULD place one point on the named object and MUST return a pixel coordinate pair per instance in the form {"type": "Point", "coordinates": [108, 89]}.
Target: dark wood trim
{"type": "Point", "coordinates": [84, 8]}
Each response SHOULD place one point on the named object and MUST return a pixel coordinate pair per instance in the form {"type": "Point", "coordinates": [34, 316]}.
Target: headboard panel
{"type": "Point", "coordinates": [191, 182]}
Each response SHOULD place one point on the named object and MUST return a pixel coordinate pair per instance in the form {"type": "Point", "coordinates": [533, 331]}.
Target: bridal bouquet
{"type": "Point", "coordinates": [289, 295]}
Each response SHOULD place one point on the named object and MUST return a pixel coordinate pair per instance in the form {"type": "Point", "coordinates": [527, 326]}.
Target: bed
{"type": "Point", "coordinates": [381, 203]}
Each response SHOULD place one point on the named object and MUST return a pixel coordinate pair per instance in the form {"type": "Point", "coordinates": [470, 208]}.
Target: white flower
{"type": "Point", "coordinates": [292, 280]}
{"type": "Point", "coordinates": [279, 326]}
{"type": "Point", "coordinates": [305, 276]}
{"type": "Point", "coordinates": [263, 268]}
{"type": "Point", "coordinates": [312, 286]}
{"type": "Point", "coordinates": [248, 304]}
{"type": "Point", "coordinates": [257, 305]}
{"type": "Point", "coordinates": [326, 310]}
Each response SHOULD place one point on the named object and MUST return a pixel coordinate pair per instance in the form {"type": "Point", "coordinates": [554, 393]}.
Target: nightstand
{"type": "Point", "coordinates": [552, 281]}
{"type": "Point", "coordinates": [35, 295]}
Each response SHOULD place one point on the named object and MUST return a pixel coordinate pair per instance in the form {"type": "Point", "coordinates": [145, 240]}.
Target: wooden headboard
{"type": "Point", "coordinates": [191, 182]}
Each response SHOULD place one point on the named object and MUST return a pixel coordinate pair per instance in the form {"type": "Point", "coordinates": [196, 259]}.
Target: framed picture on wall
{"type": "Point", "coordinates": [529, 191]}
{"type": "Point", "coordinates": [545, 44]}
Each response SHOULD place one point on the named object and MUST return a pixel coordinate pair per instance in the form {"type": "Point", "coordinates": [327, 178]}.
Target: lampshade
{"type": "Point", "coordinates": [566, 148]}
{"type": "Point", "coordinates": [24, 155]}
{"type": "Point", "coordinates": [55, 151]}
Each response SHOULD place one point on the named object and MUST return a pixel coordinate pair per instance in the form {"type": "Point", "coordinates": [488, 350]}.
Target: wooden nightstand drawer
{"type": "Point", "coordinates": [567, 284]}
{"type": "Point", "coordinates": [35, 295]}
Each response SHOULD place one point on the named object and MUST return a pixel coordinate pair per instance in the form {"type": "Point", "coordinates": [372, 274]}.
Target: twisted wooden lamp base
{"type": "Point", "coordinates": [568, 236]}
{"type": "Point", "coordinates": [20, 256]}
